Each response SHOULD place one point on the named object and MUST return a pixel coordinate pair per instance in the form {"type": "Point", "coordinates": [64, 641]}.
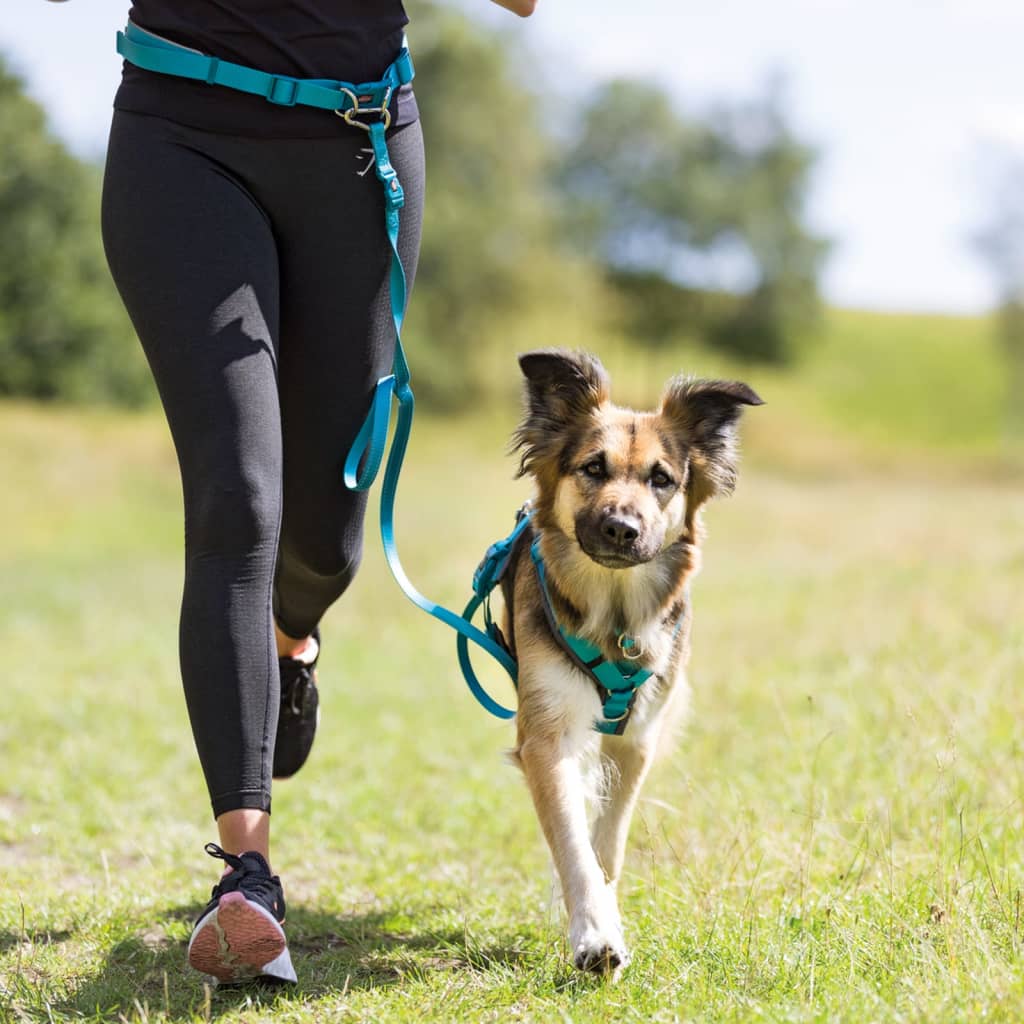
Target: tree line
{"type": "Point", "coordinates": [620, 213]}
{"type": "Point", "coordinates": [999, 241]}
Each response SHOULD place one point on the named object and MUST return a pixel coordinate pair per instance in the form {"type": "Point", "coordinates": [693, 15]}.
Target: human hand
{"type": "Point", "coordinates": [524, 8]}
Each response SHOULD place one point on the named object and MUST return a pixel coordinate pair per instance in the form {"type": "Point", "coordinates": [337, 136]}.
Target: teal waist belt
{"type": "Point", "coordinates": [347, 99]}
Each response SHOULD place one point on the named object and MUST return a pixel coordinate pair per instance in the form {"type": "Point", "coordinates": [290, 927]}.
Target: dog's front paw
{"type": "Point", "coordinates": [597, 947]}
{"type": "Point", "coordinates": [601, 957]}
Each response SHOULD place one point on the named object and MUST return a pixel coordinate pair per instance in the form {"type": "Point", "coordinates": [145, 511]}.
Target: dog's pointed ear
{"type": "Point", "coordinates": [703, 415]}
{"type": "Point", "coordinates": [561, 384]}
{"type": "Point", "coordinates": [561, 387]}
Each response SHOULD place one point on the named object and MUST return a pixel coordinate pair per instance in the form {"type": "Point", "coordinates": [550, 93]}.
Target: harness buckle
{"type": "Point", "coordinates": [352, 114]}
{"type": "Point", "coordinates": [286, 96]}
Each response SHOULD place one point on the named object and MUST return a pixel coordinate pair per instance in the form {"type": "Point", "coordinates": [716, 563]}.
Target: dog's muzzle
{"type": "Point", "coordinates": [615, 540]}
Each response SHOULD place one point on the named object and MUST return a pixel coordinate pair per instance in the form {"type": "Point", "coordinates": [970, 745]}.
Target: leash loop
{"type": "Point", "coordinates": [364, 457]}
{"type": "Point", "coordinates": [363, 461]}
{"type": "Point", "coordinates": [460, 623]}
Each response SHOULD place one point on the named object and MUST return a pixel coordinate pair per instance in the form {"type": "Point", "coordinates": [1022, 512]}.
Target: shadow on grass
{"type": "Point", "coordinates": [10, 939]}
{"type": "Point", "coordinates": [333, 955]}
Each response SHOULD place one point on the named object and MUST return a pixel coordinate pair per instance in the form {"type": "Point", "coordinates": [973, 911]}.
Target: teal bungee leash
{"type": "Point", "coordinates": [366, 106]}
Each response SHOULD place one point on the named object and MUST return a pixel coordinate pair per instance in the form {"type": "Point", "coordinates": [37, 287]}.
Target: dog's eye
{"type": "Point", "coordinates": [659, 478]}
{"type": "Point", "coordinates": [595, 469]}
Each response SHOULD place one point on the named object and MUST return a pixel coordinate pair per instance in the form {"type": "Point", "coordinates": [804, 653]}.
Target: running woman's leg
{"type": "Point", "coordinates": [195, 259]}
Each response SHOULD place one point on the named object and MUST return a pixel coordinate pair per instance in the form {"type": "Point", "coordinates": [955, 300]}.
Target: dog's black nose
{"type": "Point", "coordinates": [621, 530]}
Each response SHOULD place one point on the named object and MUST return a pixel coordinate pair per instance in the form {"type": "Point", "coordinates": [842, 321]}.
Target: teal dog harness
{"type": "Point", "coordinates": [618, 683]}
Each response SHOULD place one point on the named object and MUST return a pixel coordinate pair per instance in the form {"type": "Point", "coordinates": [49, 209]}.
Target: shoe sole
{"type": "Point", "coordinates": [239, 940]}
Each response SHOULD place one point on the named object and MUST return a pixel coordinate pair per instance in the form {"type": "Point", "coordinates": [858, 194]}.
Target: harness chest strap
{"type": "Point", "coordinates": [618, 682]}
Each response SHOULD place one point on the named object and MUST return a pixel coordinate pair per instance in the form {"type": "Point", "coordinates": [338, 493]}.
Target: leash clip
{"type": "Point", "coordinates": [351, 115]}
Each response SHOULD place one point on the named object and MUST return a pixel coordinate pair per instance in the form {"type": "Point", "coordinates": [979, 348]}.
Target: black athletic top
{"type": "Point", "coordinates": [348, 40]}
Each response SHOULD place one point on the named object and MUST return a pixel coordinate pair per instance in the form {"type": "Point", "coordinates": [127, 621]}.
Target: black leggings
{"type": "Point", "coordinates": [255, 272]}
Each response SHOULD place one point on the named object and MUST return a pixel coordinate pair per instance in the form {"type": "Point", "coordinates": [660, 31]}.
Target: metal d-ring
{"type": "Point", "coordinates": [626, 650]}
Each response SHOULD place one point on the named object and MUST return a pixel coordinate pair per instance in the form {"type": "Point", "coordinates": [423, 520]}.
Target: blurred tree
{"type": "Point", "coordinates": [709, 204]}
{"type": "Point", "coordinates": [490, 277]}
{"type": "Point", "coordinates": [1000, 243]}
{"type": "Point", "coordinates": [63, 333]}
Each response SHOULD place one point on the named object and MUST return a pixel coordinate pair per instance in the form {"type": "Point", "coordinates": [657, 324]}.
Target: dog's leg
{"type": "Point", "coordinates": [627, 761]}
{"type": "Point", "coordinates": [551, 763]}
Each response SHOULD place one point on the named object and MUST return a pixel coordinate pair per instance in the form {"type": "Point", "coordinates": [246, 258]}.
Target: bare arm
{"type": "Point", "coordinates": [524, 8]}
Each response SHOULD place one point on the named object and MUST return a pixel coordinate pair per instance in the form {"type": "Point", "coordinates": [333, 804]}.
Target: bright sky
{"type": "Point", "coordinates": [901, 95]}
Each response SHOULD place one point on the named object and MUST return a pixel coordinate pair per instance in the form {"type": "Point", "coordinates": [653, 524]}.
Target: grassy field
{"type": "Point", "coordinates": [839, 835]}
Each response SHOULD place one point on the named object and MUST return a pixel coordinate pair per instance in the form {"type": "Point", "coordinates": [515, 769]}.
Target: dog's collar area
{"type": "Point", "coordinates": [618, 682]}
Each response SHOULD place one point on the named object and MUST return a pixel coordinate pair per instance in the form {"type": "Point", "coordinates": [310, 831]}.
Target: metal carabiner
{"type": "Point", "coordinates": [352, 114]}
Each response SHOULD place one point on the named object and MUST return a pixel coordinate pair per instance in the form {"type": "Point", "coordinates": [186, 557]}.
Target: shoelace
{"type": "Point", "coordinates": [254, 881]}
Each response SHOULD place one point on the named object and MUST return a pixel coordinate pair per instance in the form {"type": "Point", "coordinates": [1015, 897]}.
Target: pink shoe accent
{"type": "Point", "coordinates": [236, 940]}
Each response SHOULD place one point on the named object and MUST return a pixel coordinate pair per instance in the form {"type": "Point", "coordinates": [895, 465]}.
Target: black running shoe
{"type": "Point", "coordinates": [238, 936]}
{"type": "Point", "coordinates": [299, 715]}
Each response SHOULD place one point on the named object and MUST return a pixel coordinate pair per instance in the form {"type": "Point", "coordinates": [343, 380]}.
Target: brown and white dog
{"type": "Point", "coordinates": [616, 509]}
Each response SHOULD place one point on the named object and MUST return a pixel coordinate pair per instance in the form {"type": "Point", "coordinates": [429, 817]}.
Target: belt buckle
{"type": "Point", "coordinates": [353, 114]}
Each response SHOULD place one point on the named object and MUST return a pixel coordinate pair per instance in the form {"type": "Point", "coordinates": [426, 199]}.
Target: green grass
{"type": "Point", "coordinates": [928, 380]}
{"type": "Point", "coordinates": [839, 835]}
